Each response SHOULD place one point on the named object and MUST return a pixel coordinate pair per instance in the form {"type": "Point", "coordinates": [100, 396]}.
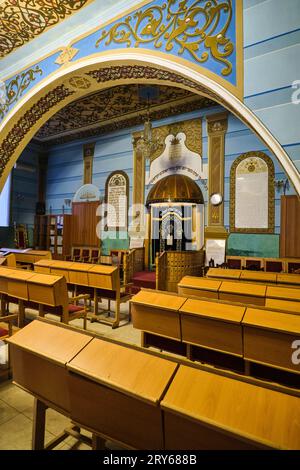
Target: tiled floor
{"type": "Point", "coordinates": [16, 406]}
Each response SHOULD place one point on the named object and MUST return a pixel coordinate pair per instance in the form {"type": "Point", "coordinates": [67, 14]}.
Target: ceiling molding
{"type": "Point", "coordinates": [114, 109]}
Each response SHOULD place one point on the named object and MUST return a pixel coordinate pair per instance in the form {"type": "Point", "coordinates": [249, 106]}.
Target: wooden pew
{"type": "Point", "coordinates": [156, 313]}
{"type": "Point", "coordinates": [205, 411]}
{"type": "Point", "coordinates": [253, 294]}
{"type": "Point", "coordinates": [199, 287]}
{"type": "Point", "coordinates": [128, 385]}
{"type": "Point", "coordinates": [144, 400]}
{"type": "Point", "coordinates": [268, 338]}
{"type": "Point", "coordinates": [212, 325]}
{"type": "Point", "coordinates": [283, 305]}
{"type": "Point", "coordinates": [39, 354]}
{"type": "Point", "coordinates": [254, 276]}
{"type": "Point", "coordinates": [283, 293]}
{"type": "Point", "coordinates": [101, 281]}
{"type": "Point", "coordinates": [27, 256]}
{"type": "Point", "coordinates": [46, 293]}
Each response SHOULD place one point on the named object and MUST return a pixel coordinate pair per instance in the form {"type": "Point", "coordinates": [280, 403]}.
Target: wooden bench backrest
{"type": "Point", "coordinates": [84, 274]}
{"type": "Point", "coordinates": [34, 287]}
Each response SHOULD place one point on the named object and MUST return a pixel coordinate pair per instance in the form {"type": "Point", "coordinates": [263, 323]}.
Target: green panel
{"type": "Point", "coordinates": [253, 244]}
{"type": "Point", "coordinates": [114, 241]}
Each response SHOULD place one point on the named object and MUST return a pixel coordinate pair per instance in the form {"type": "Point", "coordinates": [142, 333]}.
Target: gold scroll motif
{"type": "Point", "coordinates": [88, 157]}
{"type": "Point", "coordinates": [15, 89]}
{"type": "Point", "coordinates": [23, 20]}
{"type": "Point", "coordinates": [167, 26]}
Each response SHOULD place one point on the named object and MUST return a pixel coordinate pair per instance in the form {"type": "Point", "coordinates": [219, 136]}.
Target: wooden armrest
{"type": "Point", "coordinates": [79, 297]}
{"type": "Point", "coordinates": [8, 318]}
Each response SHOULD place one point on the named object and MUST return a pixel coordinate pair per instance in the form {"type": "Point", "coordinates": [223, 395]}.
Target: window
{"type": "Point", "coordinates": [5, 203]}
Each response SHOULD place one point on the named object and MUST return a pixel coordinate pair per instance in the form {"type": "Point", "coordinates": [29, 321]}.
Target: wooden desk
{"type": "Point", "coordinates": [253, 294]}
{"type": "Point", "coordinates": [213, 325]}
{"type": "Point", "coordinates": [268, 338]}
{"type": "Point", "coordinates": [288, 279]}
{"type": "Point", "coordinates": [283, 293]}
{"type": "Point", "coordinates": [284, 305]}
{"type": "Point", "coordinates": [205, 411]}
{"type": "Point", "coordinates": [157, 312]}
{"type": "Point", "coordinates": [199, 287]}
{"type": "Point", "coordinates": [118, 394]}
{"type": "Point", "coordinates": [258, 276]}
{"type": "Point", "coordinates": [39, 353]}
{"type": "Point", "coordinates": [97, 280]}
{"type": "Point", "coordinates": [224, 273]}
{"type": "Point", "coordinates": [28, 256]}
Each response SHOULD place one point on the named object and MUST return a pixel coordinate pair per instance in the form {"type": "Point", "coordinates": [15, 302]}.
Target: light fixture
{"type": "Point", "coordinates": [282, 185]}
{"type": "Point", "coordinates": [146, 143]}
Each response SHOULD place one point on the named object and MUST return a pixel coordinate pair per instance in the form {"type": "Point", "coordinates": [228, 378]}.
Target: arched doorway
{"type": "Point", "coordinates": [109, 69]}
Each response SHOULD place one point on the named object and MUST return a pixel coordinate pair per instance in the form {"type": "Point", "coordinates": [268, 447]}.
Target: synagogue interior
{"type": "Point", "coordinates": [149, 225]}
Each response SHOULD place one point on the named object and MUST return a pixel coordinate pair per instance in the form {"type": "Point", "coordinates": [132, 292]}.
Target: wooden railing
{"type": "Point", "coordinates": [133, 262]}
{"type": "Point", "coordinates": [172, 266]}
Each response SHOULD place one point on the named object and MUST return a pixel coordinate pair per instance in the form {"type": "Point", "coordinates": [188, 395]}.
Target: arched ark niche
{"type": "Point", "coordinates": [110, 69]}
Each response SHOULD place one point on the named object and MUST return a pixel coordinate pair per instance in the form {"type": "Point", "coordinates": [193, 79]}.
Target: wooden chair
{"type": "Point", "coordinates": [69, 309]}
{"type": "Point", "coordinates": [95, 256]}
{"type": "Point", "coordinates": [5, 332]}
{"type": "Point", "coordinates": [85, 255]}
{"type": "Point", "coordinates": [75, 255]}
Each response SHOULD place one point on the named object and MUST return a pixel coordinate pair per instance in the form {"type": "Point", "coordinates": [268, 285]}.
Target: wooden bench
{"type": "Point", "coordinates": [100, 281]}
{"type": "Point", "coordinates": [249, 293]}
{"type": "Point", "coordinates": [212, 325]}
{"type": "Point", "coordinates": [46, 293]}
{"type": "Point", "coordinates": [206, 330]}
{"type": "Point", "coordinates": [269, 336]}
{"type": "Point", "coordinates": [206, 411]}
{"type": "Point", "coordinates": [254, 276]}
{"type": "Point", "coordinates": [145, 400]}
{"type": "Point", "coordinates": [129, 384]}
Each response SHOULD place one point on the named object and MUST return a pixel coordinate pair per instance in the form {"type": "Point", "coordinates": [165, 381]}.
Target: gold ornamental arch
{"type": "Point", "coordinates": [77, 79]}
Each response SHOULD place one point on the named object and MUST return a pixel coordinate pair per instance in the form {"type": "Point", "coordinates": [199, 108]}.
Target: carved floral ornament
{"type": "Point", "coordinates": [11, 92]}
{"type": "Point", "coordinates": [23, 20]}
{"type": "Point", "coordinates": [199, 28]}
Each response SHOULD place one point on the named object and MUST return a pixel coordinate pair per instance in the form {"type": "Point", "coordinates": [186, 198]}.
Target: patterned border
{"type": "Point", "coordinates": [107, 74]}
{"type": "Point", "coordinates": [23, 126]}
{"type": "Point", "coordinates": [271, 194]}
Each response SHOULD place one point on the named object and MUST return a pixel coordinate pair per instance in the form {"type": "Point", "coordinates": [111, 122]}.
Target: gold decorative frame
{"type": "Point", "coordinates": [271, 193]}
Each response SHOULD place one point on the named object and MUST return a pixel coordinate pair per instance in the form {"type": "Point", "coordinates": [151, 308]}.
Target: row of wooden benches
{"type": "Point", "coordinates": [249, 293]}
{"type": "Point", "coordinates": [254, 334]}
{"type": "Point", "coordinates": [49, 293]}
{"type": "Point", "coordinates": [145, 400]}
{"type": "Point", "coordinates": [255, 276]}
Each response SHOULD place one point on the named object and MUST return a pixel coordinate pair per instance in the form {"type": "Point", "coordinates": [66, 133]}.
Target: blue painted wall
{"type": "Point", "coordinates": [114, 151]}
{"type": "Point", "coordinates": [272, 64]}
{"type": "Point", "coordinates": [25, 190]}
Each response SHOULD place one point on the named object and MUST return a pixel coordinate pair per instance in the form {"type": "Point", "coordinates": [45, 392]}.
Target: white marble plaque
{"type": "Point", "coordinates": [117, 202]}
{"type": "Point", "coordinates": [251, 194]}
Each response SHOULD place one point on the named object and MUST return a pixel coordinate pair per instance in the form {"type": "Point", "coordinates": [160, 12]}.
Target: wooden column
{"type": "Point", "coordinates": [88, 157]}
{"type": "Point", "coordinates": [138, 196]}
{"type": "Point", "coordinates": [216, 128]}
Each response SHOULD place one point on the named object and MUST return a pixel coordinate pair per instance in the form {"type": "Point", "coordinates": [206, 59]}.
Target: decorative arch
{"type": "Point", "coordinates": [253, 163]}
{"type": "Point", "coordinates": [104, 70]}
